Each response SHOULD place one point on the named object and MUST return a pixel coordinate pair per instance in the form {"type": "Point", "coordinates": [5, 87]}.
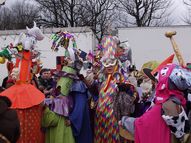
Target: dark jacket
{"type": "Point", "coordinates": [9, 122]}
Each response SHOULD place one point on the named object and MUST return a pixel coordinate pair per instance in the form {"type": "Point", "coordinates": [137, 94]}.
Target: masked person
{"type": "Point", "coordinates": [106, 125]}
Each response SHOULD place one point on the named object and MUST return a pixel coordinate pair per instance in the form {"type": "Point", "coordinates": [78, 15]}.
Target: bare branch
{"type": "Point", "coordinates": [19, 15]}
{"type": "Point", "coordinates": [144, 12]}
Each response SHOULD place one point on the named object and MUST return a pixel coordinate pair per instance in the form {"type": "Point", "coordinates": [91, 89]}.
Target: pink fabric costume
{"type": "Point", "coordinates": [151, 128]}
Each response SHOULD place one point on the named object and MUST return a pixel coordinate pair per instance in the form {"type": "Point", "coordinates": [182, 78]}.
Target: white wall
{"type": "Point", "coordinates": [84, 39]}
{"type": "Point", "coordinates": [151, 44]}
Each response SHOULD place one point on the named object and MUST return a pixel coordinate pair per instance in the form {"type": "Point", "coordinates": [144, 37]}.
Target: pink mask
{"type": "Point", "coordinates": [162, 89]}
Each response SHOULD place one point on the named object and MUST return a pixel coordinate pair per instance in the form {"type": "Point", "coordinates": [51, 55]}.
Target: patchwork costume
{"type": "Point", "coordinates": [106, 125]}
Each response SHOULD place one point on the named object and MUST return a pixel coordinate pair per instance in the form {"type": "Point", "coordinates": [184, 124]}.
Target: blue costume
{"type": "Point", "coordinates": [79, 117]}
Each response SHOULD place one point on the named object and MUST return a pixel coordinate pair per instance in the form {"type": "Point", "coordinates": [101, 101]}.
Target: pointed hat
{"type": "Point", "coordinates": [150, 73]}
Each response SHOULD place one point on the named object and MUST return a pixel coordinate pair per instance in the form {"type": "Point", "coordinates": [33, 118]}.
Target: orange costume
{"type": "Point", "coordinates": [26, 100]}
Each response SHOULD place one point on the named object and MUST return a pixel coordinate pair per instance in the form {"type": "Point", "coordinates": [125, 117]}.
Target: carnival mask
{"type": "Point", "coordinates": [181, 78]}
{"type": "Point", "coordinates": [109, 62]}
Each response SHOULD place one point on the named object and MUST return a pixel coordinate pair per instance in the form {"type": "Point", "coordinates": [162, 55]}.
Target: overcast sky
{"type": "Point", "coordinates": [178, 9]}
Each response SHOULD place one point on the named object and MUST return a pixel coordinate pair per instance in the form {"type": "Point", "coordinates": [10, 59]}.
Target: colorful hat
{"type": "Point", "coordinates": [151, 73]}
{"type": "Point", "coordinates": [65, 82]}
{"type": "Point", "coordinates": [109, 44]}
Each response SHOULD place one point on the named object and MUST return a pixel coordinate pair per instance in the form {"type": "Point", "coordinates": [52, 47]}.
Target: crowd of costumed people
{"type": "Point", "coordinates": [109, 102]}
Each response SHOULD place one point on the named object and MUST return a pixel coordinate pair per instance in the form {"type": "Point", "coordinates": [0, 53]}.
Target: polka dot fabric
{"type": "Point", "coordinates": [30, 122]}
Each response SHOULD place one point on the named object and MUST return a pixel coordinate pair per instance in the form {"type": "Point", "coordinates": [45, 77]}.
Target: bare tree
{"type": "Point", "coordinates": [5, 18]}
{"type": "Point", "coordinates": [18, 15]}
{"type": "Point", "coordinates": [143, 12]}
{"type": "Point", "coordinates": [51, 14]}
{"type": "Point", "coordinates": [187, 18]}
{"type": "Point", "coordinates": [187, 2]}
{"type": "Point", "coordinates": [99, 15]}
{"type": "Point", "coordinates": [60, 13]}
{"type": "Point", "coordinates": [71, 10]}
{"type": "Point", "coordinates": [24, 13]}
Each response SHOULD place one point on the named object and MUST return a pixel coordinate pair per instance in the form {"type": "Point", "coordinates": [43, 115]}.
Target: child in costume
{"type": "Point", "coordinates": [26, 98]}
{"type": "Point", "coordinates": [57, 109]}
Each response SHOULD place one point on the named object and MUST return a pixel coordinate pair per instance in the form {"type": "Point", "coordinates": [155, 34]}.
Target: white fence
{"type": "Point", "coordinates": [150, 43]}
{"type": "Point", "coordinates": [84, 38]}
{"type": "Point", "coordinates": [147, 43]}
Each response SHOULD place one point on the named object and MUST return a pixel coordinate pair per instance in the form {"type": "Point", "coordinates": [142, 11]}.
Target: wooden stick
{"type": "Point", "coordinates": [175, 47]}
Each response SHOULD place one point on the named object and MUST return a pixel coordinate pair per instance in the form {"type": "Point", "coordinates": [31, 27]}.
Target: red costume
{"type": "Point", "coordinates": [26, 100]}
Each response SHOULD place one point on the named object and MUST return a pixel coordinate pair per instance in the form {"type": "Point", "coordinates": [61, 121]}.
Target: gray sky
{"type": "Point", "coordinates": [178, 10]}
{"type": "Point", "coordinates": [8, 2]}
